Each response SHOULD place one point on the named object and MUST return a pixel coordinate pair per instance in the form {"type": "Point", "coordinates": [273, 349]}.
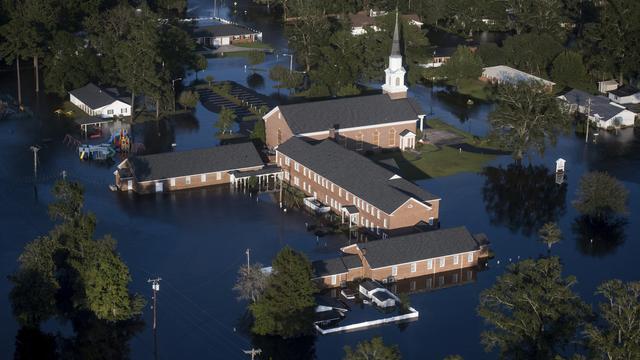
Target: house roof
{"type": "Point", "coordinates": [625, 90]}
{"type": "Point", "coordinates": [222, 30]}
{"type": "Point", "coordinates": [334, 266]}
{"type": "Point", "coordinates": [601, 106]}
{"type": "Point", "coordinates": [406, 132]}
{"type": "Point", "coordinates": [348, 112]}
{"type": "Point", "coordinates": [419, 246]}
{"type": "Point", "coordinates": [380, 187]}
{"type": "Point", "coordinates": [509, 74]}
{"type": "Point", "coordinates": [96, 97]}
{"type": "Point", "coordinates": [382, 296]}
{"type": "Point", "coordinates": [194, 162]}
{"type": "Point", "coordinates": [370, 285]}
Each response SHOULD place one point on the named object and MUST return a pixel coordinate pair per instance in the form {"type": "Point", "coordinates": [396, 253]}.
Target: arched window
{"type": "Point", "coordinates": [360, 141]}
{"type": "Point", "coordinates": [392, 137]}
{"type": "Point", "coordinates": [376, 139]}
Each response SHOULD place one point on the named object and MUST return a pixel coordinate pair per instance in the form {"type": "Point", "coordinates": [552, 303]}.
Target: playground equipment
{"type": "Point", "coordinates": [96, 152]}
{"type": "Point", "coordinates": [121, 136]}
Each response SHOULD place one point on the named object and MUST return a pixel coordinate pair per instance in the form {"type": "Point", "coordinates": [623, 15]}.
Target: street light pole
{"type": "Point", "coordinates": [173, 90]}
{"type": "Point", "coordinates": [290, 61]}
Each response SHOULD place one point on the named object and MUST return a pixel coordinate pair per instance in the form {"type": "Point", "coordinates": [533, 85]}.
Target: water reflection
{"type": "Point", "coordinates": [437, 281]}
{"type": "Point", "coordinates": [523, 198]}
{"type": "Point", "coordinates": [275, 347]}
{"type": "Point", "coordinates": [598, 237]}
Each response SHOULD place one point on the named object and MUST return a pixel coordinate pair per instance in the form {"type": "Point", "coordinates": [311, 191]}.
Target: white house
{"type": "Point", "coordinates": [625, 94]}
{"type": "Point", "coordinates": [607, 85]}
{"type": "Point", "coordinates": [99, 102]}
{"type": "Point", "coordinates": [603, 112]}
{"type": "Point", "coordinates": [362, 20]}
{"type": "Point", "coordinates": [226, 34]}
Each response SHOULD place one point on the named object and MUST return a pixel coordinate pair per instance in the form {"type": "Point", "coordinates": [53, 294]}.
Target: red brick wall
{"type": "Point", "coordinates": [404, 270]}
{"type": "Point", "coordinates": [273, 123]}
{"type": "Point", "coordinates": [413, 212]}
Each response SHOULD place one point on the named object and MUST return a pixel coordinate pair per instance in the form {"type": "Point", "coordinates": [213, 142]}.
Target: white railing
{"type": "Point", "coordinates": [412, 315]}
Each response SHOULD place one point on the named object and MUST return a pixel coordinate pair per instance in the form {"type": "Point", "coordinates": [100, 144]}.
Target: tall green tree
{"type": "Point", "coordinates": [600, 196]}
{"type": "Point", "coordinates": [464, 64]}
{"type": "Point", "coordinates": [532, 53]}
{"type": "Point", "coordinates": [532, 311]}
{"type": "Point", "coordinates": [616, 333]}
{"type": "Point", "coordinates": [569, 70]}
{"type": "Point", "coordinates": [70, 64]}
{"type": "Point", "coordinates": [308, 33]}
{"type": "Point", "coordinates": [226, 117]}
{"type": "Point", "coordinates": [527, 117]}
{"type": "Point", "coordinates": [287, 307]}
{"type": "Point", "coordinates": [374, 349]}
{"type": "Point", "coordinates": [538, 17]}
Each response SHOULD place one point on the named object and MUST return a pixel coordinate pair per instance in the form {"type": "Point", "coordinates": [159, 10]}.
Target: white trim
{"type": "Point", "coordinates": [269, 114]}
{"type": "Point", "coordinates": [417, 261]}
{"type": "Point", "coordinates": [326, 132]}
{"type": "Point", "coordinates": [419, 202]}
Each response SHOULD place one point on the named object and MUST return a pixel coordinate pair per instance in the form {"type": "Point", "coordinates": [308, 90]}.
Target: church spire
{"type": "Point", "coordinates": [395, 47]}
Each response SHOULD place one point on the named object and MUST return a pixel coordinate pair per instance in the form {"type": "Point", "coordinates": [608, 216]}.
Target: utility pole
{"type": "Point", "coordinates": [253, 352]}
{"type": "Point", "coordinates": [155, 286]}
{"type": "Point", "coordinates": [586, 135]}
{"type": "Point", "coordinates": [248, 263]}
{"type": "Point", "coordinates": [35, 149]}
{"type": "Point", "coordinates": [290, 61]}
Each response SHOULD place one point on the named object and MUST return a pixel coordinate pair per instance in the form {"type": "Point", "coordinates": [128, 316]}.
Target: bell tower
{"type": "Point", "coordinates": [394, 74]}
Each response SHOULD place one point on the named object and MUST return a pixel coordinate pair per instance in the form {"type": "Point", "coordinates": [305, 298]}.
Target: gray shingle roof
{"type": "Point", "coordinates": [355, 173]}
{"type": "Point", "coordinates": [95, 97]}
{"type": "Point", "coordinates": [348, 112]}
{"type": "Point", "coordinates": [624, 90]}
{"type": "Point", "coordinates": [194, 162]}
{"type": "Point", "coordinates": [419, 246]}
{"type": "Point", "coordinates": [370, 285]}
{"type": "Point", "coordinates": [600, 105]}
{"type": "Point", "coordinates": [334, 266]}
{"type": "Point", "coordinates": [222, 30]}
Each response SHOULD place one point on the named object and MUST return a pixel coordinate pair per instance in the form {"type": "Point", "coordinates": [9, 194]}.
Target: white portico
{"type": "Point", "coordinates": [394, 75]}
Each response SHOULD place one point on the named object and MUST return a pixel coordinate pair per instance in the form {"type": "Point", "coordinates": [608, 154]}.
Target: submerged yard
{"type": "Point", "coordinates": [464, 153]}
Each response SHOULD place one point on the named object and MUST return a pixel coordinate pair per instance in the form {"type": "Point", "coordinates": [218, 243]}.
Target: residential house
{"type": "Point", "coordinates": [100, 102]}
{"type": "Point", "coordinates": [410, 256]}
{"type": "Point", "coordinates": [625, 94]}
{"type": "Point", "coordinates": [502, 74]}
{"type": "Point", "coordinates": [607, 85]}
{"type": "Point", "coordinates": [601, 110]}
{"type": "Point", "coordinates": [360, 191]}
{"type": "Point", "coordinates": [187, 169]}
{"type": "Point", "coordinates": [363, 20]}
{"type": "Point", "coordinates": [361, 122]}
{"type": "Point", "coordinates": [440, 57]}
{"type": "Point", "coordinates": [226, 34]}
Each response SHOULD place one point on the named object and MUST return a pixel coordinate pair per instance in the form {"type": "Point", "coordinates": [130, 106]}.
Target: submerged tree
{"type": "Point", "coordinates": [286, 308]}
{"type": "Point", "coordinates": [226, 117]}
{"type": "Point", "coordinates": [600, 196]}
{"type": "Point", "coordinates": [532, 310]}
{"type": "Point", "coordinates": [616, 334]}
{"type": "Point", "coordinates": [189, 99]}
{"type": "Point", "coordinates": [251, 282]}
{"type": "Point", "coordinates": [527, 117]}
{"type": "Point", "coordinates": [373, 349]}
{"type": "Point", "coordinates": [550, 234]}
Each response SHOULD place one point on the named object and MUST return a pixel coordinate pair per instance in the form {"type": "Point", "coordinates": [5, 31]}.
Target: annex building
{"type": "Point", "coordinates": [403, 257]}
{"type": "Point", "coordinates": [362, 192]}
{"type": "Point", "coordinates": [387, 120]}
{"type": "Point", "coordinates": [190, 169]}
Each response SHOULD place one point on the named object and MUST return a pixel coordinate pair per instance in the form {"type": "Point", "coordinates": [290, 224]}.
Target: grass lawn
{"type": "Point", "coordinates": [435, 162]}
{"type": "Point", "coordinates": [474, 88]}
{"type": "Point", "coordinates": [254, 45]}
{"type": "Point", "coordinates": [470, 139]}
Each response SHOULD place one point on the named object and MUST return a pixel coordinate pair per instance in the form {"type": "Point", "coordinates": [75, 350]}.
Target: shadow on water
{"type": "Point", "coordinates": [273, 347]}
{"type": "Point", "coordinates": [255, 81]}
{"type": "Point", "coordinates": [523, 198]}
{"type": "Point", "coordinates": [598, 237]}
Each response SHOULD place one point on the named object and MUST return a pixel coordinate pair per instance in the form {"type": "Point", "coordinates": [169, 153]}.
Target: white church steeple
{"type": "Point", "coordinates": [394, 75]}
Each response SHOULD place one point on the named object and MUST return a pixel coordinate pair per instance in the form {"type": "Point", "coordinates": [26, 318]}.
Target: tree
{"type": "Point", "coordinates": [189, 99]}
{"type": "Point", "coordinates": [201, 64]}
{"type": "Point", "coordinates": [251, 282]}
{"type": "Point", "coordinates": [568, 70]}
{"type": "Point", "coordinates": [531, 52]}
{"type": "Point", "coordinates": [308, 33]}
{"type": "Point", "coordinates": [259, 131]}
{"type": "Point", "coordinates": [287, 307]}
{"type": "Point", "coordinates": [464, 64]}
{"type": "Point", "coordinates": [70, 65]}
{"type": "Point", "coordinates": [209, 79]}
{"type": "Point", "coordinates": [532, 310]}
{"type": "Point", "coordinates": [373, 349]}
{"type": "Point", "coordinates": [226, 117]}
{"type": "Point", "coordinates": [285, 78]}
{"type": "Point", "coordinates": [527, 117]}
{"type": "Point", "coordinates": [491, 54]}
{"type": "Point", "coordinates": [71, 273]}
{"type": "Point", "coordinates": [550, 234]}
{"type": "Point", "coordinates": [600, 195]}
{"type": "Point", "coordinates": [256, 57]}
{"type": "Point", "coordinates": [538, 17]}
{"type": "Point", "coordinates": [616, 334]}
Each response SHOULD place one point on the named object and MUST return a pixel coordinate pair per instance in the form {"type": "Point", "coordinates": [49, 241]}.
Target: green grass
{"type": "Point", "coordinates": [474, 88]}
{"type": "Point", "coordinates": [436, 162]}
{"type": "Point", "coordinates": [470, 139]}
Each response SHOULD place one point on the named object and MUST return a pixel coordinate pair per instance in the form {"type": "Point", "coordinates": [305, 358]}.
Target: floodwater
{"type": "Point", "coordinates": [196, 240]}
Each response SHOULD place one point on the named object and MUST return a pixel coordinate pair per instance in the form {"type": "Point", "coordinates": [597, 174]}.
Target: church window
{"type": "Point", "coordinates": [376, 138]}
{"type": "Point", "coordinates": [392, 137]}
{"type": "Point", "coordinates": [279, 136]}
{"type": "Point", "coordinates": [397, 81]}
{"type": "Point", "coordinates": [360, 141]}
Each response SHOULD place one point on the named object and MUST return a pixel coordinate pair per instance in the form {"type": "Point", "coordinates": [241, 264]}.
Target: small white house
{"type": "Point", "coordinates": [625, 94]}
{"type": "Point", "coordinates": [607, 85]}
{"type": "Point", "coordinates": [99, 102]}
{"type": "Point", "coordinates": [407, 140]}
{"type": "Point", "coordinates": [603, 112]}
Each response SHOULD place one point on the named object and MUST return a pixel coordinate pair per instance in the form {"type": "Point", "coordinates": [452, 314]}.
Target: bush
{"type": "Point", "coordinates": [189, 99]}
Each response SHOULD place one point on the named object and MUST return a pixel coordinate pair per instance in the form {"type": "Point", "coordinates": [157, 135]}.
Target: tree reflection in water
{"type": "Point", "coordinates": [598, 237]}
{"type": "Point", "coordinates": [523, 198]}
{"type": "Point", "coordinates": [94, 339]}
{"type": "Point", "coordinates": [255, 81]}
{"type": "Point", "coordinates": [275, 347]}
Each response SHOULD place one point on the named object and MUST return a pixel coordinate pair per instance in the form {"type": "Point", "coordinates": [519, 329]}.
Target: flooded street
{"type": "Point", "coordinates": [196, 240]}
